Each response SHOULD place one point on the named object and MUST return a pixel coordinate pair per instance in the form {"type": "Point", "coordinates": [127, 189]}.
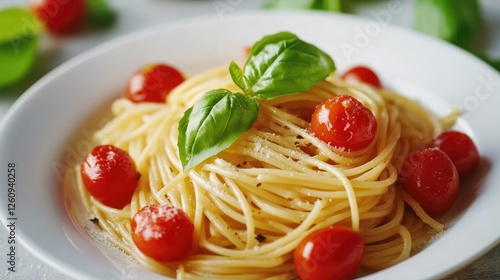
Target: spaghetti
{"type": "Point", "coordinates": [252, 203]}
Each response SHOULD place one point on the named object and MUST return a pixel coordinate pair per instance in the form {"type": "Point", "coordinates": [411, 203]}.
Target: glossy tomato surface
{"type": "Point", "coordinates": [60, 16]}
{"type": "Point", "coordinates": [162, 232]}
{"type": "Point", "coordinates": [152, 83]}
{"type": "Point", "coordinates": [461, 150]}
{"type": "Point", "coordinates": [362, 74]}
{"type": "Point", "coordinates": [430, 177]}
{"type": "Point", "coordinates": [331, 253]}
{"type": "Point", "coordinates": [110, 175]}
{"type": "Point", "coordinates": [344, 122]}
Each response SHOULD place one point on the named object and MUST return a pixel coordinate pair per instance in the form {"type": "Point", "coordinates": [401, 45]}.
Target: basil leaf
{"type": "Point", "coordinates": [454, 21]}
{"type": "Point", "coordinates": [213, 124]}
{"type": "Point", "coordinates": [237, 75]}
{"type": "Point", "coordinates": [283, 64]}
{"type": "Point", "coordinates": [19, 32]}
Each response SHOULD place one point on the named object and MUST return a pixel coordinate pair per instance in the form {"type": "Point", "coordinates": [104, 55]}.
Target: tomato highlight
{"type": "Point", "coordinates": [461, 150]}
{"type": "Point", "coordinates": [162, 232]}
{"type": "Point", "coordinates": [362, 74]}
{"type": "Point", "coordinates": [59, 16]}
{"type": "Point", "coordinates": [334, 252]}
{"type": "Point", "coordinates": [109, 175]}
{"type": "Point", "coordinates": [430, 177]}
{"type": "Point", "coordinates": [345, 123]}
{"type": "Point", "coordinates": [153, 83]}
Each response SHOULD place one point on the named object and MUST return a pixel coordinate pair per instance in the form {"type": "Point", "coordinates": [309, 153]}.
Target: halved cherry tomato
{"type": "Point", "coordinates": [430, 177]}
{"type": "Point", "coordinates": [362, 74]}
{"type": "Point", "coordinates": [344, 122]}
{"type": "Point", "coordinates": [109, 174]}
{"type": "Point", "coordinates": [162, 232]}
{"type": "Point", "coordinates": [461, 150]}
{"type": "Point", "coordinates": [59, 16]}
{"type": "Point", "coordinates": [334, 252]}
{"type": "Point", "coordinates": [153, 83]}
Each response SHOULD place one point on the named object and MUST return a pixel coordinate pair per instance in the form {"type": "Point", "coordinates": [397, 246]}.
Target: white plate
{"type": "Point", "coordinates": [46, 128]}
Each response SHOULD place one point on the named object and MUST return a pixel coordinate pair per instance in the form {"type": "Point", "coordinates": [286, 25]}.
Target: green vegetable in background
{"type": "Point", "coordinates": [278, 64]}
{"type": "Point", "coordinates": [457, 22]}
{"type": "Point", "coordinates": [99, 14]}
{"type": "Point", "coordinates": [19, 32]}
{"type": "Point", "coordinates": [326, 5]}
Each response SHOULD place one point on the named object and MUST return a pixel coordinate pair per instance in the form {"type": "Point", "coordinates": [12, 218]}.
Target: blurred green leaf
{"type": "Point", "coordinates": [325, 5]}
{"type": "Point", "coordinates": [17, 23]}
{"type": "Point", "coordinates": [19, 32]}
{"type": "Point", "coordinates": [99, 14]}
{"type": "Point", "coordinates": [16, 59]}
{"type": "Point", "coordinates": [457, 22]}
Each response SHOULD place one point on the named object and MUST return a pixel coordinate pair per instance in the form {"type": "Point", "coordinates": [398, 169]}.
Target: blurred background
{"type": "Point", "coordinates": [31, 46]}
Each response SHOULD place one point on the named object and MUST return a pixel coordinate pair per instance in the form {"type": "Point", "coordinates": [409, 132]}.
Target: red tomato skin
{"type": "Point", "coordinates": [430, 177]}
{"type": "Point", "coordinates": [362, 74]}
{"type": "Point", "coordinates": [60, 16]}
{"type": "Point", "coordinates": [109, 174]}
{"type": "Point", "coordinates": [162, 232]}
{"type": "Point", "coordinates": [344, 122]}
{"type": "Point", "coordinates": [461, 150]}
{"type": "Point", "coordinates": [334, 252]}
{"type": "Point", "coordinates": [153, 83]}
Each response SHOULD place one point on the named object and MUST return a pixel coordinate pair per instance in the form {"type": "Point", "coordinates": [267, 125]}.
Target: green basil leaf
{"type": "Point", "coordinates": [19, 32]}
{"type": "Point", "coordinates": [213, 124]}
{"type": "Point", "coordinates": [283, 64]}
{"type": "Point", "coordinates": [457, 22]}
{"type": "Point", "coordinates": [99, 14]}
{"type": "Point", "coordinates": [237, 75]}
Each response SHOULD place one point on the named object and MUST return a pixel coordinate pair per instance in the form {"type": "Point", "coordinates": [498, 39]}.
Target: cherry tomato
{"type": "Point", "coordinates": [362, 74]}
{"type": "Point", "coordinates": [430, 177]}
{"type": "Point", "coordinates": [344, 122]}
{"type": "Point", "coordinates": [162, 232]}
{"type": "Point", "coordinates": [109, 174]}
{"type": "Point", "coordinates": [330, 253]}
{"type": "Point", "coordinates": [461, 150]}
{"type": "Point", "coordinates": [59, 16]}
{"type": "Point", "coordinates": [153, 83]}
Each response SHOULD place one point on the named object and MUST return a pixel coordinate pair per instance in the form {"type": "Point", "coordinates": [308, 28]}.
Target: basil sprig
{"type": "Point", "coordinates": [278, 64]}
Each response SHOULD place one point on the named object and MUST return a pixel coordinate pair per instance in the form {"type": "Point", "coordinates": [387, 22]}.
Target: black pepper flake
{"type": "Point", "coordinates": [259, 184]}
{"type": "Point", "coordinates": [300, 137]}
{"type": "Point", "coordinates": [245, 162]}
{"type": "Point", "coordinates": [171, 169]}
{"type": "Point", "coordinates": [94, 220]}
{"type": "Point", "coordinates": [260, 237]}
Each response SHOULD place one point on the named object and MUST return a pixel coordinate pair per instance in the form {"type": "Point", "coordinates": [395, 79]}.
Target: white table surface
{"type": "Point", "coordinates": [134, 15]}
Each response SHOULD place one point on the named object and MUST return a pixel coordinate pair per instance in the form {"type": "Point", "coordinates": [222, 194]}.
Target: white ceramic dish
{"type": "Point", "coordinates": [46, 129]}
